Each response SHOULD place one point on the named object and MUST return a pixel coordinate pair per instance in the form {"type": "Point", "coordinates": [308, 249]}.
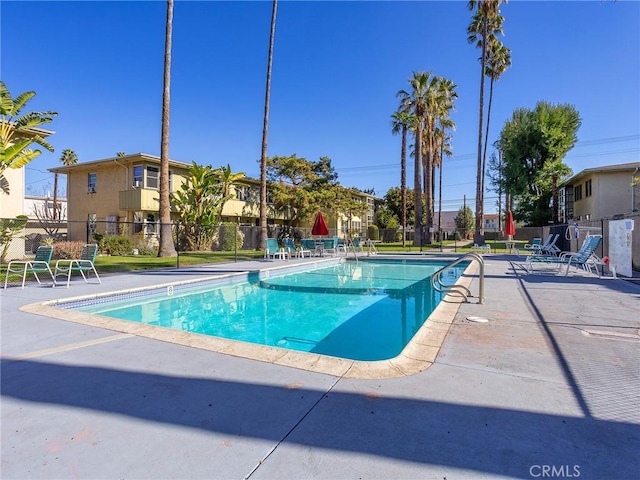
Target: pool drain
{"type": "Point", "coordinates": [478, 319]}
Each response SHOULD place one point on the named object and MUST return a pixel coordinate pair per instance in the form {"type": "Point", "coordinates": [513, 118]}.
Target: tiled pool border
{"type": "Point", "coordinates": [417, 356]}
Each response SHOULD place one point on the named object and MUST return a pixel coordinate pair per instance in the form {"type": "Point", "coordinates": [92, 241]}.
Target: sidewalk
{"type": "Point", "coordinates": [550, 383]}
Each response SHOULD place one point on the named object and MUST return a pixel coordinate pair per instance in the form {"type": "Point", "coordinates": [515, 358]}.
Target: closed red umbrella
{"type": "Point", "coordinates": [319, 226]}
{"type": "Point", "coordinates": [510, 229]}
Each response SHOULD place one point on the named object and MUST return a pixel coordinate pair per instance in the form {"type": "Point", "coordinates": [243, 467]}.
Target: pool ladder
{"type": "Point", "coordinates": [442, 287]}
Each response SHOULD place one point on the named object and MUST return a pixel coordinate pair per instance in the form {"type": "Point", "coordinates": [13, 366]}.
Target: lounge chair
{"type": "Point", "coordinates": [356, 243]}
{"type": "Point", "coordinates": [536, 245]}
{"type": "Point", "coordinates": [273, 250]}
{"type": "Point", "coordinates": [330, 246]}
{"type": "Point", "coordinates": [585, 257]}
{"type": "Point", "coordinates": [310, 244]}
{"type": "Point", "coordinates": [293, 250]}
{"type": "Point", "coordinates": [82, 264]}
{"type": "Point", "coordinates": [550, 248]}
{"type": "Point", "coordinates": [39, 264]}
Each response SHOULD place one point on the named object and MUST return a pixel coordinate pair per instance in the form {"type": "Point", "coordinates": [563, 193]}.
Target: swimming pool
{"type": "Point", "coordinates": [366, 311]}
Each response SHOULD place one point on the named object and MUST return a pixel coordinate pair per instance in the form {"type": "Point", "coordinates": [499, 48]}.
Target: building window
{"type": "Point", "coordinates": [151, 227]}
{"type": "Point", "coordinates": [137, 222]}
{"type": "Point", "coordinates": [138, 176]}
{"type": "Point", "coordinates": [587, 188]}
{"type": "Point", "coordinates": [577, 193]}
{"type": "Point", "coordinates": [152, 177]}
{"type": "Point", "coordinates": [170, 181]}
{"type": "Point", "coordinates": [112, 225]}
{"type": "Point", "coordinates": [92, 224]}
{"type": "Point", "coordinates": [91, 183]}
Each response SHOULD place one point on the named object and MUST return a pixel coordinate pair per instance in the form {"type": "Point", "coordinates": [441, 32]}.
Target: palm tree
{"type": "Point", "coordinates": [415, 101]}
{"type": "Point", "coordinates": [166, 247]}
{"type": "Point", "coordinates": [479, 32]}
{"type": "Point", "coordinates": [265, 129]}
{"type": "Point", "coordinates": [18, 132]}
{"type": "Point", "coordinates": [499, 59]}
{"type": "Point", "coordinates": [401, 121]}
{"type": "Point", "coordinates": [67, 158]}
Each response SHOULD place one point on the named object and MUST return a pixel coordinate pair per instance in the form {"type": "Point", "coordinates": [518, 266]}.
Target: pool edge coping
{"type": "Point", "coordinates": [417, 356]}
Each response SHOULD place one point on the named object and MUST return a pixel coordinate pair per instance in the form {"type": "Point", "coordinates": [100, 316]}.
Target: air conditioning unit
{"type": "Point", "coordinates": [137, 184]}
{"type": "Point", "coordinates": [91, 189]}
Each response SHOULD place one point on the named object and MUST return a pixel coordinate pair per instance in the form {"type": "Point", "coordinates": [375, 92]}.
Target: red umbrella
{"type": "Point", "coordinates": [510, 230]}
{"type": "Point", "coordinates": [319, 226]}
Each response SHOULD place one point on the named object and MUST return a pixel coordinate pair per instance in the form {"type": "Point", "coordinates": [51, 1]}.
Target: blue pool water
{"type": "Point", "coordinates": [368, 310]}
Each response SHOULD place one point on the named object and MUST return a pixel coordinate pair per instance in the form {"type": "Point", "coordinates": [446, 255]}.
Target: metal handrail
{"type": "Point", "coordinates": [440, 286]}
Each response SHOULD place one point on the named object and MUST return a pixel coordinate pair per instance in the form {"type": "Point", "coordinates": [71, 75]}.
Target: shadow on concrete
{"type": "Point", "coordinates": [483, 439]}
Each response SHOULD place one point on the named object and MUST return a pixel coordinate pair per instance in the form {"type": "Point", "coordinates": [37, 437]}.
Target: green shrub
{"type": "Point", "coordinates": [67, 250]}
{"type": "Point", "coordinates": [229, 237]}
{"type": "Point", "coordinates": [373, 233]}
{"type": "Point", "coordinates": [116, 245]}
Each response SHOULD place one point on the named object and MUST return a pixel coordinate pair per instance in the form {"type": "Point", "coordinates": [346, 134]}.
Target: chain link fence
{"type": "Point", "coordinates": [20, 239]}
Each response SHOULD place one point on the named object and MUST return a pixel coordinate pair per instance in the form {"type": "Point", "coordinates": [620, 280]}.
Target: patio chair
{"type": "Point", "coordinates": [311, 245]}
{"type": "Point", "coordinates": [535, 244]}
{"type": "Point", "coordinates": [273, 250]}
{"type": "Point", "coordinates": [356, 243]}
{"type": "Point", "coordinates": [330, 246]}
{"type": "Point", "coordinates": [39, 264]}
{"type": "Point", "coordinates": [550, 248]}
{"type": "Point", "coordinates": [584, 257]}
{"type": "Point", "coordinates": [299, 251]}
{"type": "Point", "coordinates": [84, 264]}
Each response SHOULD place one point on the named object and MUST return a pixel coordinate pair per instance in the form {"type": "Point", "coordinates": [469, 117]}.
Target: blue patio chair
{"type": "Point", "coordinates": [39, 264]}
{"type": "Point", "coordinates": [299, 251]}
{"type": "Point", "coordinates": [273, 250]}
{"type": "Point", "coordinates": [585, 258]}
{"type": "Point", "coordinates": [84, 264]}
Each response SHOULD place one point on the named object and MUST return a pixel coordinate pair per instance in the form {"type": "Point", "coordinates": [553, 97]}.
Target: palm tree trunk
{"type": "Point", "coordinates": [440, 194]}
{"type": "Point", "coordinates": [486, 133]}
{"type": "Point", "coordinates": [479, 230]}
{"type": "Point", "coordinates": [417, 188]}
{"type": "Point", "coordinates": [265, 129]}
{"type": "Point", "coordinates": [55, 195]}
{"type": "Point", "coordinates": [166, 246]}
{"type": "Point", "coordinates": [403, 182]}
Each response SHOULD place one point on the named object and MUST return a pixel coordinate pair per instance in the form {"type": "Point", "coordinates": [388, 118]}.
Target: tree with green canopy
{"type": "Point", "coordinates": [18, 132]}
{"type": "Point", "coordinates": [533, 144]}
{"type": "Point", "coordinates": [301, 187]}
{"type": "Point", "coordinates": [464, 221]}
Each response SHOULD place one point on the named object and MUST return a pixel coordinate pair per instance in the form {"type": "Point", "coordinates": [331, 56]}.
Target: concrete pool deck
{"type": "Point", "coordinates": [548, 387]}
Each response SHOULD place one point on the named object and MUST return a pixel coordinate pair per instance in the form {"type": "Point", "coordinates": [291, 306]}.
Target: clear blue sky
{"type": "Point", "coordinates": [337, 68]}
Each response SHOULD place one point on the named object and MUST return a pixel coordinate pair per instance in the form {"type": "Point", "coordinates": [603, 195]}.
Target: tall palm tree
{"type": "Point", "coordinates": [440, 96]}
{"type": "Point", "coordinates": [18, 132]}
{"type": "Point", "coordinates": [479, 32]}
{"type": "Point", "coordinates": [499, 59]}
{"type": "Point", "coordinates": [67, 158]}
{"type": "Point", "coordinates": [265, 129]}
{"type": "Point", "coordinates": [415, 101]}
{"type": "Point", "coordinates": [401, 121]}
{"type": "Point", "coordinates": [166, 246]}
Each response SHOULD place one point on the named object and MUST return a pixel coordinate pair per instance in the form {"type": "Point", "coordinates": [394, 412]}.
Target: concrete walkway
{"type": "Point", "coordinates": [548, 387]}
